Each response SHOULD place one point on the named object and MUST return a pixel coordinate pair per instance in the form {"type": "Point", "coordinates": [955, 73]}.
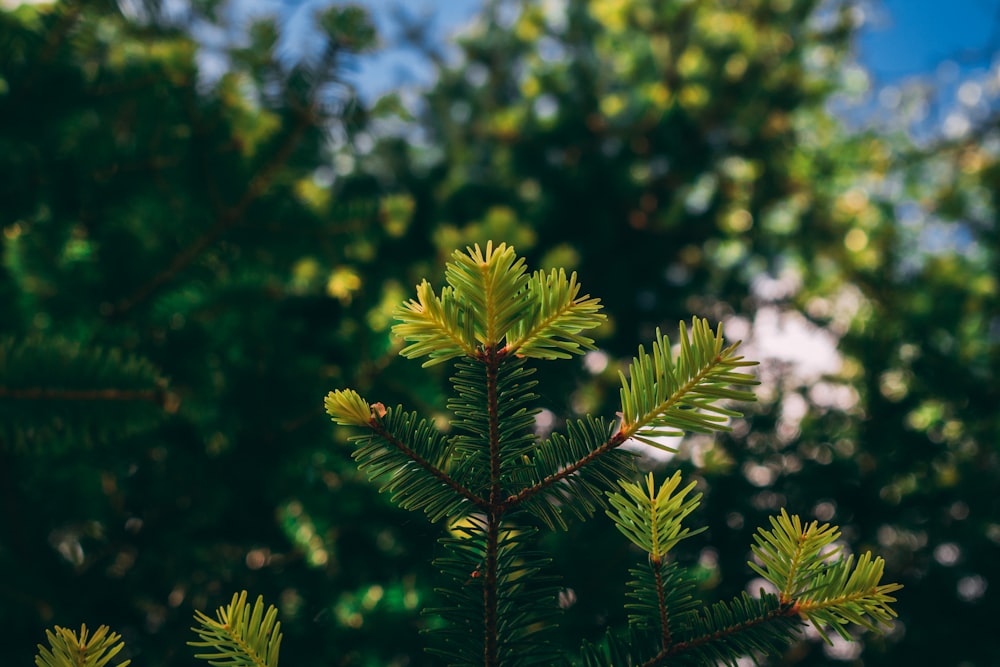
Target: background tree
{"type": "Point", "coordinates": [183, 273]}
{"type": "Point", "coordinates": [189, 264]}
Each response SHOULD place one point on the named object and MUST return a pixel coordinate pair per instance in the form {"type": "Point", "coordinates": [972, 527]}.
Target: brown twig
{"type": "Point", "coordinates": [227, 217]}
{"type": "Point", "coordinates": [681, 647]}
{"type": "Point", "coordinates": [439, 474]}
{"type": "Point", "coordinates": [50, 394]}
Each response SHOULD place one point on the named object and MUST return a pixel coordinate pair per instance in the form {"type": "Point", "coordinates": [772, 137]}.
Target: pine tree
{"type": "Point", "coordinates": [491, 480]}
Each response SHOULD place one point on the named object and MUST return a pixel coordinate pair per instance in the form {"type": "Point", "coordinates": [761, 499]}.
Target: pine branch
{"type": "Point", "coordinates": [490, 285]}
{"type": "Point", "coordinates": [68, 649]}
{"type": "Point", "coordinates": [846, 593]}
{"type": "Point", "coordinates": [557, 316]}
{"type": "Point", "coordinates": [650, 518]}
{"type": "Point", "coordinates": [526, 598]}
{"type": "Point", "coordinates": [407, 456]}
{"type": "Point", "coordinates": [727, 631]}
{"type": "Point", "coordinates": [660, 592]}
{"type": "Point", "coordinates": [571, 473]}
{"type": "Point", "coordinates": [665, 396]}
{"type": "Point", "coordinates": [434, 326]}
{"type": "Point", "coordinates": [53, 390]}
{"type": "Point", "coordinates": [240, 636]}
{"type": "Point", "coordinates": [830, 593]}
{"type": "Point", "coordinates": [793, 554]}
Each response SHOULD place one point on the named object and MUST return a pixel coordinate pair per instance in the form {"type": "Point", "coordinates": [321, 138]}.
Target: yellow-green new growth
{"type": "Point", "coordinates": [664, 396]}
{"type": "Point", "coordinates": [68, 649]}
{"type": "Point", "coordinates": [347, 407]}
{"type": "Point", "coordinates": [240, 636]}
{"type": "Point", "coordinates": [650, 518]}
{"type": "Point", "coordinates": [796, 559]}
{"type": "Point", "coordinates": [491, 303]}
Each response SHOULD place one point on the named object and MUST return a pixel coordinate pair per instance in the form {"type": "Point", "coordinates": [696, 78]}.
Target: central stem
{"type": "Point", "coordinates": [491, 656]}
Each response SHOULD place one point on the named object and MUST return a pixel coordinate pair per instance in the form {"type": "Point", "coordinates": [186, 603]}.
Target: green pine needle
{"type": "Point", "coordinates": [239, 636]}
{"type": "Point", "coordinates": [650, 518]}
{"type": "Point", "coordinates": [665, 395]}
{"type": "Point", "coordinates": [68, 649]}
{"type": "Point", "coordinates": [827, 593]}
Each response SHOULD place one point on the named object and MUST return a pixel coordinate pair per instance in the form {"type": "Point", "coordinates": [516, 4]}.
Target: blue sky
{"type": "Point", "coordinates": [912, 37]}
{"type": "Point", "coordinates": [899, 38]}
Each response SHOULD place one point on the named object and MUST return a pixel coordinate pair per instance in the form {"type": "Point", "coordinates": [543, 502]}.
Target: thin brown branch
{"type": "Point", "coordinates": [615, 441]}
{"type": "Point", "coordinates": [50, 394]}
{"type": "Point", "coordinates": [439, 474]}
{"type": "Point", "coordinates": [490, 598]}
{"type": "Point", "coordinates": [227, 218]}
{"type": "Point", "coordinates": [661, 603]}
{"type": "Point", "coordinates": [681, 647]}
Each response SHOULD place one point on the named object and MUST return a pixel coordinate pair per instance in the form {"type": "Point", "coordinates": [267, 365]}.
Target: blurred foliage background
{"type": "Point", "coordinates": [196, 249]}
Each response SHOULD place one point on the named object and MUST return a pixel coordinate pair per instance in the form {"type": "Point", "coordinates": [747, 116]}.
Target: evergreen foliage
{"type": "Point", "coordinates": [224, 247]}
{"type": "Point", "coordinates": [500, 599]}
{"type": "Point", "coordinates": [240, 635]}
{"type": "Point", "coordinates": [68, 649]}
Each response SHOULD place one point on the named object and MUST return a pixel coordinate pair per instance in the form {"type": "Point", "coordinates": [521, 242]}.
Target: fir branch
{"type": "Point", "coordinates": [436, 327]}
{"type": "Point", "coordinates": [558, 315]}
{"type": "Point", "coordinates": [847, 593]}
{"type": "Point", "coordinates": [665, 396]}
{"type": "Point", "coordinates": [792, 554]}
{"type": "Point", "coordinates": [795, 559]}
{"type": "Point", "coordinates": [435, 471]}
{"type": "Point", "coordinates": [240, 636]}
{"type": "Point", "coordinates": [728, 630]}
{"type": "Point", "coordinates": [490, 286]}
{"type": "Point", "coordinates": [650, 518]}
{"type": "Point", "coordinates": [579, 491]}
{"type": "Point", "coordinates": [405, 453]}
{"type": "Point", "coordinates": [565, 472]}
{"type": "Point", "coordinates": [67, 649]}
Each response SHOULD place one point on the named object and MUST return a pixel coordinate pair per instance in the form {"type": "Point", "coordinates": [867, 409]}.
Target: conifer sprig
{"type": "Point", "coordinates": [68, 649]}
{"type": "Point", "coordinates": [490, 285]}
{"type": "Point", "coordinates": [664, 395]}
{"type": "Point", "coordinates": [436, 327]}
{"type": "Point", "coordinates": [239, 635]}
{"type": "Point", "coordinates": [651, 518]}
{"type": "Point", "coordinates": [826, 592]}
{"type": "Point", "coordinates": [554, 318]}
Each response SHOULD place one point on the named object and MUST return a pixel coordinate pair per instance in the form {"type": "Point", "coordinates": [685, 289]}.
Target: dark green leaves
{"type": "Point", "coordinates": [411, 460]}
